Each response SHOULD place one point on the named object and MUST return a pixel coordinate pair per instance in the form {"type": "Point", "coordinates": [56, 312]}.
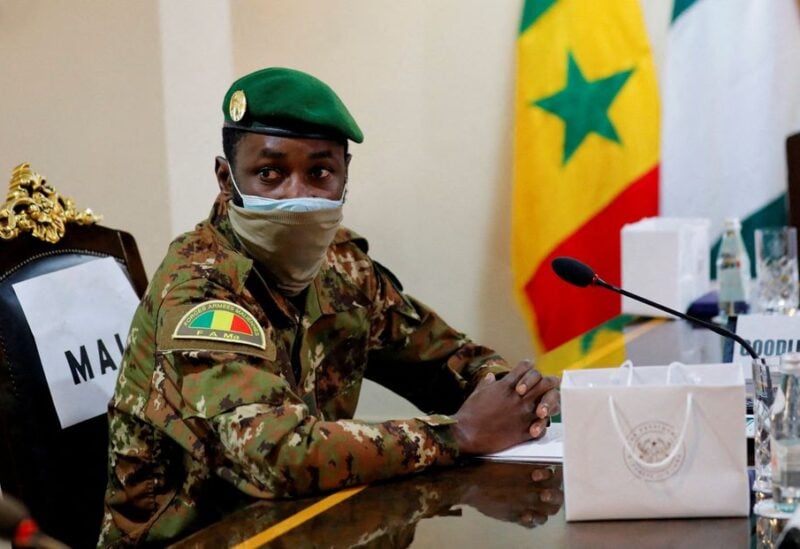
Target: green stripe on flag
{"type": "Point", "coordinates": [774, 214]}
{"type": "Point", "coordinates": [532, 11]}
{"type": "Point", "coordinates": [679, 7]}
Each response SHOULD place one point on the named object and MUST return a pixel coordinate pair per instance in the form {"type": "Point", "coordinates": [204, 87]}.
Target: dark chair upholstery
{"type": "Point", "coordinates": [59, 474]}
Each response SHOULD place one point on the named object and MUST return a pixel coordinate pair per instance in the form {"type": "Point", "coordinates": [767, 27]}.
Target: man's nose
{"type": "Point", "coordinates": [296, 187]}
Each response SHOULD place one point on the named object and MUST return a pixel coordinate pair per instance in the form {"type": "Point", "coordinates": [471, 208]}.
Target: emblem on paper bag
{"type": "Point", "coordinates": [653, 441]}
{"type": "Point", "coordinates": [221, 321]}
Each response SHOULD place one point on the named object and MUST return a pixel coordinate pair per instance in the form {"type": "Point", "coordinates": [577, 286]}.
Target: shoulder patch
{"type": "Point", "coordinates": [221, 321]}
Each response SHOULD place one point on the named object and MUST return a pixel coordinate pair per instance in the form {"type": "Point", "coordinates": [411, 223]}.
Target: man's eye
{"type": "Point", "coordinates": [321, 173]}
{"type": "Point", "coordinates": [269, 174]}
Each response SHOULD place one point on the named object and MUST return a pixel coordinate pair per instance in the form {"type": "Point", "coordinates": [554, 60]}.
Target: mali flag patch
{"type": "Point", "coordinates": [221, 321]}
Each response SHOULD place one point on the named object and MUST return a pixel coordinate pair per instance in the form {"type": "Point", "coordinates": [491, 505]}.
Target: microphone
{"type": "Point", "coordinates": [580, 274]}
{"type": "Point", "coordinates": [18, 527]}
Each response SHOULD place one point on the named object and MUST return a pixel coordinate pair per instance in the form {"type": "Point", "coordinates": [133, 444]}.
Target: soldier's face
{"type": "Point", "coordinates": [284, 167]}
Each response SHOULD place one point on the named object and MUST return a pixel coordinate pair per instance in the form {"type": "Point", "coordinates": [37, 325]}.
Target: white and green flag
{"type": "Point", "coordinates": [730, 97]}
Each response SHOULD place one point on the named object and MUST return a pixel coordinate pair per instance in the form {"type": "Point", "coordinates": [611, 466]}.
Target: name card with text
{"type": "Point", "coordinates": [769, 335]}
{"type": "Point", "coordinates": [79, 318]}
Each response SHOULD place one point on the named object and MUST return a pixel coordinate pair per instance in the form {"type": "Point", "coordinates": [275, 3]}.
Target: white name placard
{"type": "Point", "coordinates": [79, 318]}
{"type": "Point", "coordinates": [769, 335]}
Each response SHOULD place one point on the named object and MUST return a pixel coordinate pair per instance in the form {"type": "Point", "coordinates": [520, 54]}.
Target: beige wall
{"type": "Point", "coordinates": [197, 68]}
{"type": "Point", "coordinates": [82, 101]}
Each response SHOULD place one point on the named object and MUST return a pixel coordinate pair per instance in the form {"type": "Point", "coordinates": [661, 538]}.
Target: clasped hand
{"type": "Point", "coordinates": [503, 412]}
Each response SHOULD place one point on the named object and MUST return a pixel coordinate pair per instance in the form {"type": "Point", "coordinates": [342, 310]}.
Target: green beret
{"type": "Point", "coordinates": [290, 103]}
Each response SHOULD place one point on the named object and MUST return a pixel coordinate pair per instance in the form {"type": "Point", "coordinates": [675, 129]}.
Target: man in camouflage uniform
{"type": "Point", "coordinates": [245, 358]}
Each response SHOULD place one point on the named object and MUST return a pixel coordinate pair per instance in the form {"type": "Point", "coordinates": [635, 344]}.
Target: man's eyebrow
{"type": "Point", "coordinates": [266, 152]}
{"type": "Point", "coordinates": [321, 154]}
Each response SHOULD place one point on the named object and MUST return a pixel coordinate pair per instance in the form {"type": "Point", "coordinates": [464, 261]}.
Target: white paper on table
{"type": "Point", "coordinates": [549, 448]}
{"type": "Point", "coordinates": [79, 318]}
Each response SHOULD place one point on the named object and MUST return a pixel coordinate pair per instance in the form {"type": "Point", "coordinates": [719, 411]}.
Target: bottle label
{"type": "Point", "coordinates": [731, 284]}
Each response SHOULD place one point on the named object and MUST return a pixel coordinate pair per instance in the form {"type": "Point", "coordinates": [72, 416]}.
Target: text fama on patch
{"type": "Point", "coordinates": [213, 334]}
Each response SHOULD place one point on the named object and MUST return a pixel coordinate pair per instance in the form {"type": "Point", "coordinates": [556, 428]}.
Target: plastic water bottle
{"type": "Point", "coordinates": [785, 437]}
{"type": "Point", "coordinates": [733, 270]}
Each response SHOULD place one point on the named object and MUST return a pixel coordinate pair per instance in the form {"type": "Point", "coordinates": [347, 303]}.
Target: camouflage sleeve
{"type": "Point", "coordinates": [419, 356]}
{"type": "Point", "coordinates": [233, 409]}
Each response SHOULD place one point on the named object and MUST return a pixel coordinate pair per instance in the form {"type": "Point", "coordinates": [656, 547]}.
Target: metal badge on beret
{"type": "Point", "coordinates": [237, 105]}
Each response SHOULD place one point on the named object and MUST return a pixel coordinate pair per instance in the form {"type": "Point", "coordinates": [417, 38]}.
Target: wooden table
{"type": "Point", "coordinates": [478, 504]}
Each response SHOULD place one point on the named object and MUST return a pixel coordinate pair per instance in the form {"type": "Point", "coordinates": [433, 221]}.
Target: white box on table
{"type": "Point", "coordinates": [666, 260]}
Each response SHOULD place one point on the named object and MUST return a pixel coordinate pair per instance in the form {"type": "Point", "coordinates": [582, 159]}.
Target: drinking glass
{"type": "Point", "coordinates": [776, 270]}
{"type": "Point", "coordinates": [766, 379]}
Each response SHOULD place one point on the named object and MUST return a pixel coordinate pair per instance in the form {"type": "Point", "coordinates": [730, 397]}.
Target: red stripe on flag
{"type": "Point", "coordinates": [239, 325]}
{"type": "Point", "coordinates": [564, 311]}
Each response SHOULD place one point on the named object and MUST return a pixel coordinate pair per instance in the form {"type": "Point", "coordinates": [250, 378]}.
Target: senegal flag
{"type": "Point", "coordinates": [585, 154]}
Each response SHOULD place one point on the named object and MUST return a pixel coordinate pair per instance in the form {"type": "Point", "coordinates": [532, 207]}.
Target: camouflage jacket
{"type": "Point", "coordinates": [228, 392]}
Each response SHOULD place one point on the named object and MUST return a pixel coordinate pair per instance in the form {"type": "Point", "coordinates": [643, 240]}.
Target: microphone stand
{"type": "Point", "coordinates": [764, 386]}
{"type": "Point", "coordinates": [709, 325]}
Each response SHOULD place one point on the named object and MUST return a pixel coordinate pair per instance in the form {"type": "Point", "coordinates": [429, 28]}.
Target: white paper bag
{"type": "Point", "coordinates": [655, 442]}
{"type": "Point", "coordinates": [666, 260]}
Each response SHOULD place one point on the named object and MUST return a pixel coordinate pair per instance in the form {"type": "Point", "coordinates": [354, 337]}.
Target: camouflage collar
{"type": "Point", "coordinates": [218, 218]}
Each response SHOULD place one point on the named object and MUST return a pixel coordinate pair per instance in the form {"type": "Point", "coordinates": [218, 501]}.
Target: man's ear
{"type": "Point", "coordinates": [347, 158]}
{"type": "Point", "coordinates": [223, 171]}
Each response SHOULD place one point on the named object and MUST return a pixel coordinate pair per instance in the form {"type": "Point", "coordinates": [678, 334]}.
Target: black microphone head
{"type": "Point", "coordinates": [573, 271]}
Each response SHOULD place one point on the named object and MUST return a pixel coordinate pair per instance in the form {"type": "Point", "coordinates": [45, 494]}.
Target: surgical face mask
{"type": "Point", "coordinates": [289, 242]}
{"type": "Point", "coordinates": [301, 204]}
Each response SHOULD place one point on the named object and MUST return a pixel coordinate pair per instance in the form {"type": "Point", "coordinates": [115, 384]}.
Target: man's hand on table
{"type": "Point", "coordinates": [501, 413]}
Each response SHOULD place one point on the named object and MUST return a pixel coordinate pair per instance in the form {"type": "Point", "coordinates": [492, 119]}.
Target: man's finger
{"type": "Point", "coordinates": [535, 393]}
{"type": "Point", "coordinates": [526, 518]}
{"type": "Point", "coordinates": [553, 497]}
{"type": "Point", "coordinates": [540, 474]}
{"type": "Point", "coordinates": [532, 518]}
{"type": "Point", "coordinates": [538, 428]}
{"type": "Point", "coordinates": [518, 371]}
{"type": "Point", "coordinates": [549, 405]}
{"type": "Point", "coordinates": [528, 380]}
